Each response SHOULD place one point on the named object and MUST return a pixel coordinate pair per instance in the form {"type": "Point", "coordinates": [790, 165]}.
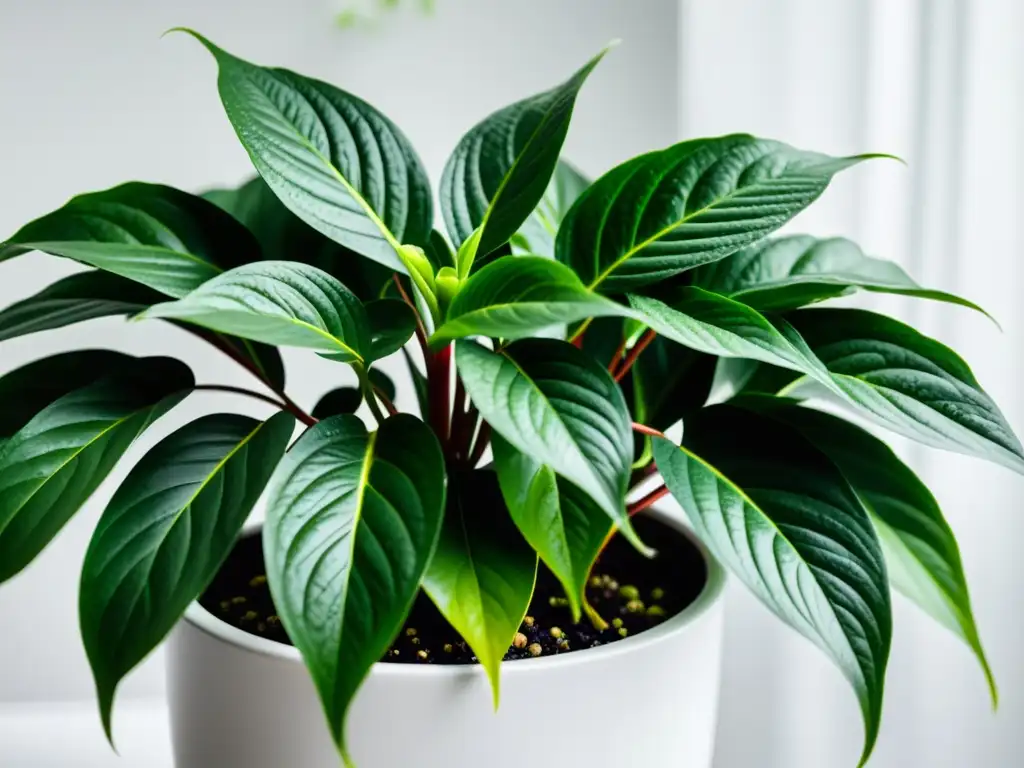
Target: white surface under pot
{"type": "Point", "coordinates": [241, 701]}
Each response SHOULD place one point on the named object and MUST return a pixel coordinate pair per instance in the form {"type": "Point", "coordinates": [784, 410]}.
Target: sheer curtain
{"type": "Point", "coordinates": [941, 85]}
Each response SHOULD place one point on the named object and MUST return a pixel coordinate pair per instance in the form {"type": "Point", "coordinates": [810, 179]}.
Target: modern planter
{"type": "Point", "coordinates": [241, 701]}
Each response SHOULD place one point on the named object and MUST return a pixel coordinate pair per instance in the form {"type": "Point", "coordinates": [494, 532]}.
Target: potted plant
{"type": "Point", "coordinates": [566, 328]}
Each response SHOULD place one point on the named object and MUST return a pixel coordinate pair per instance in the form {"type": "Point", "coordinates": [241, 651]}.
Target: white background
{"type": "Point", "coordinates": [91, 96]}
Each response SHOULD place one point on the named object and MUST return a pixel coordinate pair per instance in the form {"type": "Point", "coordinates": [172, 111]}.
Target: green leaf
{"type": "Point", "coordinates": [780, 515]}
{"type": "Point", "coordinates": [669, 383]}
{"type": "Point", "coordinates": [538, 233]}
{"type": "Point", "coordinates": [500, 169]}
{"type": "Point", "coordinates": [722, 327]}
{"type": "Point", "coordinates": [691, 204]}
{"type": "Point", "coordinates": [383, 382]}
{"type": "Point", "coordinates": [164, 535]}
{"type": "Point", "coordinates": [75, 299]}
{"type": "Point", "coordinates": [482, 575]}
{"type": "Point", "coordinates": [909, 383]}
{"type": "Point", "coordinates": [280, 303]}
{"type": "Point", "coordinates": [438, 251]}
{"type": "Point", "coordinates": [920, 548]}
{"type": "Point", "coordinates": [338, 401]}
{"type": "Point", "coordinates": [352, 522]}
{"type": "Point", "coordinates": [554, 403]}
{"type": "Point", "coordinates": [334, 160]}
{"type": "Point", "coordinates": [56, 460]}
{"type": "Point", "coordinates": [38, 384]}
{"type": "Point", "coordinates": [283, 236]}
{"type": "Point", "coordinates": [161, 237]}
{"type": "Point", "coordinates": [565, 527]}
{"type": "Point", "coordinates": [392, 324]}
{"type": "Point", "coordinates": [518, 297]}
{"type": "Point", "coordinates": [789, 272]}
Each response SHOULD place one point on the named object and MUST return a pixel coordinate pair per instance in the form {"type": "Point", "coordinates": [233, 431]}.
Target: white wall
{"type": "Point", "coordinates": [91, 96]}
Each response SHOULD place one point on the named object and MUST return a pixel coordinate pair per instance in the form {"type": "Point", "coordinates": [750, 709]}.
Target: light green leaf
{"type": "Point", "coordinates": [482, 575]}
{"type": "Point", "coordinates": [920, 548]}
{"type": "Point", "coordinates": [722, 327]}
{"type": "Point", "coordinates": [58, 458]}
{"type": "Point", "coordinates": [165, 534]}
{"type": "Point", "coordinates": [161, 237]}
{"type": "Point", "coordinates": [909, 383]}
{"type": "Point", "coordinates": [334, 160]}
{"type": "Point", "coordinates": [789, 272]}
{"type": "Point", "coordinates": [500, 169]}
{"type": "Point", "coordinates": [538, 233]}
{"type": "Point", "coordinates": [281, 303]}
{"type": "Point", "coordinates": [780, 515]}
{"type": "Point", "coordinates": [563, 524]}
{"type": "Point", "coordinates": [691, 204]}
{"type": "Point", "coordinates": [352, 522]}
{"type": "Point", "coordinates": [392, 324]}
{"type": "Point", "coordinates": [554, 403]}
{"type": "Point", "coordinates": [520, 297]}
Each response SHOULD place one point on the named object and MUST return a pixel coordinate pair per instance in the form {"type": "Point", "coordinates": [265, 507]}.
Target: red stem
{"type": "Point", "coordinates": [634, 353]}
{"type": "Point", "coordinates": [643, 429]}
{"type": "Point", "coordinates": [614, 362]}
{"type": "Point", "coordinates": [459, 420]}
{"type": "Point", "coordinates": [439, 385]}
{"type": "Point", "coordinates": [646, 501]}
{"type": "Point", "coordinates": [301, 415]}
{"type": "Point", "coordinates": [390, 406]}
{"type": "Point", "coordinates": [421, 330]}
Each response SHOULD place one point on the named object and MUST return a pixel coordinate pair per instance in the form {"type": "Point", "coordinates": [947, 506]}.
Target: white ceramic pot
{"type": "Point", "coordinates": [241, 701]}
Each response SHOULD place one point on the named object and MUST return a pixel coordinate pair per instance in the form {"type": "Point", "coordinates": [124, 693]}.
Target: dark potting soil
{"type": "Point", "coordinates": [631, 593]}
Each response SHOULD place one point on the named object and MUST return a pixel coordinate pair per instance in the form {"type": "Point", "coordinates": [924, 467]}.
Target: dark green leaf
{"type": "Point", "coordinates": [789, 272]}
{"type": "Point", "coordinates": [281, 303]}
{"type": "Point", "coordinates": [779, 514]}
{"type": "Point", "coordinates": [392, 324]}
{"type": "Point", "coordinates": [500, 169]}
{"type": "Point", "coordinates": [165, 534]}
{"type": "Point", "coordinates": [669, 383]}
{"type": "Point", "coordinates": [722, 327]}
{"type": "Point", "coordinates": [537, 235]}
{"type": "Point", "coordinates": [338, 401]}
{"type": "Point", "coordinates": [482, 575]}
{"type": "Point", "coordinates": [438, 251]}
{"type": "Point", "coordinates": [920, 548]}
{"type": "Point", "coordinates": [54, 463]}
{"type": "Point", "coordinates": [514, 298]}
{"type": "Point", "coordinates": [283, 236]}
{"type": "Point", "coordinates": [563, 524]}
{"type": "Point", "coordinates": [335, 161]}
{"type": "Point", "coordinates": [383, 382]}
{"type": "Point", "coordinates": [909, 383]}
{"type": "Point", "coordinates": [168, 240]}
{"type": "Point", "coordinates": [352, 522]}
{"type": "Point", "coordinates": [691, 204]}
{"type": "Point", "coordinates": [554, 403]}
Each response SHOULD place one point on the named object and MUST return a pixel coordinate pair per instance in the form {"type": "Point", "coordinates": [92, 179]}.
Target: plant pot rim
{"type": "Point", "coordinates": [201, 619]}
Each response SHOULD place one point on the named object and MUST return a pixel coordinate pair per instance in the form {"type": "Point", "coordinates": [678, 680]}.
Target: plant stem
{"type": "Point", "coordinates": [643, 429]}
{"type": "Point", "coordinates": [459, 421]}
{"type": "Point", "coordinates": [439, 384]}
{"type": "Point", "coordinates": [613, 364]}
{"type": "Point", "coordinates": [577, 338]}
{"type": "Point", "coordinates": [367, 387]}
{"type": "Point", "coordinates": [280, 404]}
{"type": "Point", "coordinates": [390, 406]}
{"type": "Point", "coordinates": [646, 501]}
{"type": "Point", "coordinates": [634, 353]}
{"type": "Point", "coordinates": [421, 330]}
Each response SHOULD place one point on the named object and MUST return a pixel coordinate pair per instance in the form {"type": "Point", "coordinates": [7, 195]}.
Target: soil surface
{"type": "Point", "coordinates": [631, 593]}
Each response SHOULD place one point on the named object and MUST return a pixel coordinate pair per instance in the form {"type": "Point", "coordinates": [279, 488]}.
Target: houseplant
{"type": "Point", "coordinates": [584, 321]}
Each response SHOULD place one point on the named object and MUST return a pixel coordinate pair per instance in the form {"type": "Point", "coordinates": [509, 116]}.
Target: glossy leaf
{"type": "Point", "coordinates": [500, 170]}
{"type": "Point", "coordinates": [552, 402]}
{"type": "Point", "coordinates": [780, 515]}
{"type": "Point", "coordinates": [691, 204]}
{"type": "Point", "coordinates": [909, 383]}
{"type": "Point", "coordinates": [277, 302]}
{"type": "Point", "coordinates": [391, 323]}
{"type": "Point", "coordinates": [353, 519]}
{"type": "Point", "coordinates": [55, 461]}
{"type": "Point", "coordinates": [920, 548]}
{"type": "Point", "coordinates": [789, 272]}
{"type": "Point", "coordinates": [283, 236]}
{"type": "Point", "coordinates": [75, 299]}
{"type": "Point", "coordinates": [161, 237]}
{"type": "Point", "coordinates": [165, 534]}
{"type": "Point", "coordinates": [563, 524]}
{"type": "Point", "coordinates": [334, 160]}
{"type": "Point", "coordinates": [514, 298]}
{"type": "Point", "coordinates": [538, 233]}
{"type": "Point", "coordinates": [482, 574]}
{"type": "Point", "coordinates": [722, 327]}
